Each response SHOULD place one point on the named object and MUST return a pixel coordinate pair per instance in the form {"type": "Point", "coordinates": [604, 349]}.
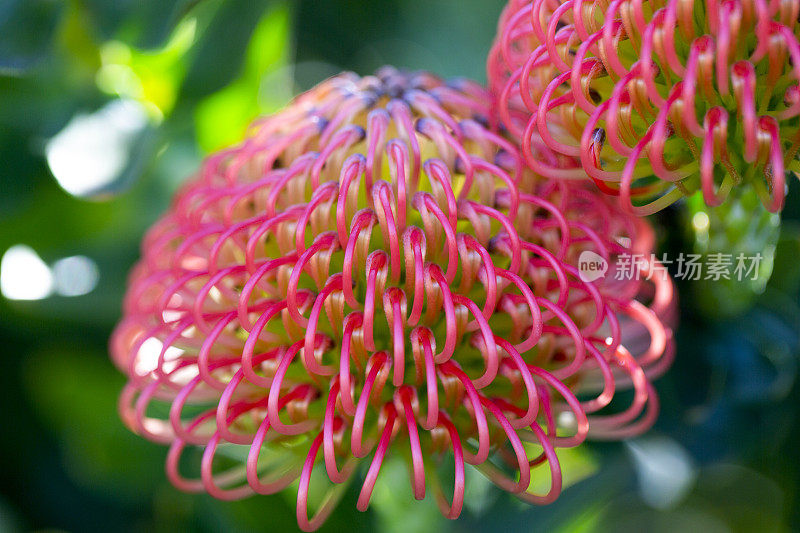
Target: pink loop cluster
{"type": "Point", "coordinates": [373, 272]}
{"type": "Point", "coordinates": [655, 99]}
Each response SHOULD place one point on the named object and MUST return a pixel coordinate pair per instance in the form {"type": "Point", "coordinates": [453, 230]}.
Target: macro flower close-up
{"type": "Point", "coordinates": [372, 272]}
{"type": "Point", "coordinates": [657, 100]}
{"type": "Point", "coordinates": [400, 266]}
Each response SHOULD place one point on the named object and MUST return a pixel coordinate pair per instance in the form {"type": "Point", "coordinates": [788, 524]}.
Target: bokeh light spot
{"type": "Point", "coordinates": [23, 275]}
{"type": "Point", "coordinates": [664, 469]}
{"type": "Point", "coordinates": [92, 151]}
{"type": "Point", "coordinates": [700, 221]}
{"type": "Point", "coordinates": [75, 276]}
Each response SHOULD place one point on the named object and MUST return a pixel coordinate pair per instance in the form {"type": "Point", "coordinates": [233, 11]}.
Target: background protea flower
{"type": "Point", "coordinates": [656, 99]}
{"type": "Point", "coordinates": [372, 272]}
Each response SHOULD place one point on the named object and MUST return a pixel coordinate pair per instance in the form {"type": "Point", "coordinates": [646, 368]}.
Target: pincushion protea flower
{"type": "Point", "coordinates": [372, 272]}
{"type": "Point", "coordinates": [656, 99]}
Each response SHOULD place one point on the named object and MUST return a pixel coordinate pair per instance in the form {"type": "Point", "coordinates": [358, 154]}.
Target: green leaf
{"type": "Point", "coordinates": [394, 504]}
{"type": "Point", "coordinates": [263, 87]}
{"type": "Point", "coordinates": [218, 56]}
{"type": "Point", "coordinates": [151, 77]}
{"type": "Point", "coordinates": [577, 464]}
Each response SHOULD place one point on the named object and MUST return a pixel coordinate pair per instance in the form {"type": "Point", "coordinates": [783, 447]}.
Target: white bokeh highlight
{"type": "Point", "coordinates": [75, 276]}
{"type": "Point", "coordinates": [664, 470]}
{"type": "Point", "coordinates": [92, 150]}
{"type": "Point", "coordinates": [23, 274]}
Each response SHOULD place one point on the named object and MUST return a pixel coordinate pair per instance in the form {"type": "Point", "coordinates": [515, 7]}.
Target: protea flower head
{"type": "Point", "coordinates": [372, 273]}
{"type": "Point", "coordinates": [656, 99]}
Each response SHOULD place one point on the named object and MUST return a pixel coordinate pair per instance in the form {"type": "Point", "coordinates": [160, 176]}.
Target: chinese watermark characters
{"type": "Point", "coordinates": [692, 267]}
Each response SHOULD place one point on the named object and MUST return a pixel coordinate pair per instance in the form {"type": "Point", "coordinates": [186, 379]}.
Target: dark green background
{"type": "Point", "coordinates": [207, 67]}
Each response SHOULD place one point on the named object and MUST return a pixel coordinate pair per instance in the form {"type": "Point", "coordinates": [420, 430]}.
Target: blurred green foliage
{"type": "Point", "coordinates": [201, 70]}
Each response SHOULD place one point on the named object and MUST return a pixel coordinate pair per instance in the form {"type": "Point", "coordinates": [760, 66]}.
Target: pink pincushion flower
{"type": "Point", "coordinates": [656, 100]}
{"type": "Point", "coordinates": [373, 272]}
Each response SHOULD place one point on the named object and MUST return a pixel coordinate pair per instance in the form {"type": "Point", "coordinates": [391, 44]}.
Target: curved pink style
{"type": "Point", "coordinates": [654, 100]}
{"type": "Point", "coordinates": [373, 274]}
